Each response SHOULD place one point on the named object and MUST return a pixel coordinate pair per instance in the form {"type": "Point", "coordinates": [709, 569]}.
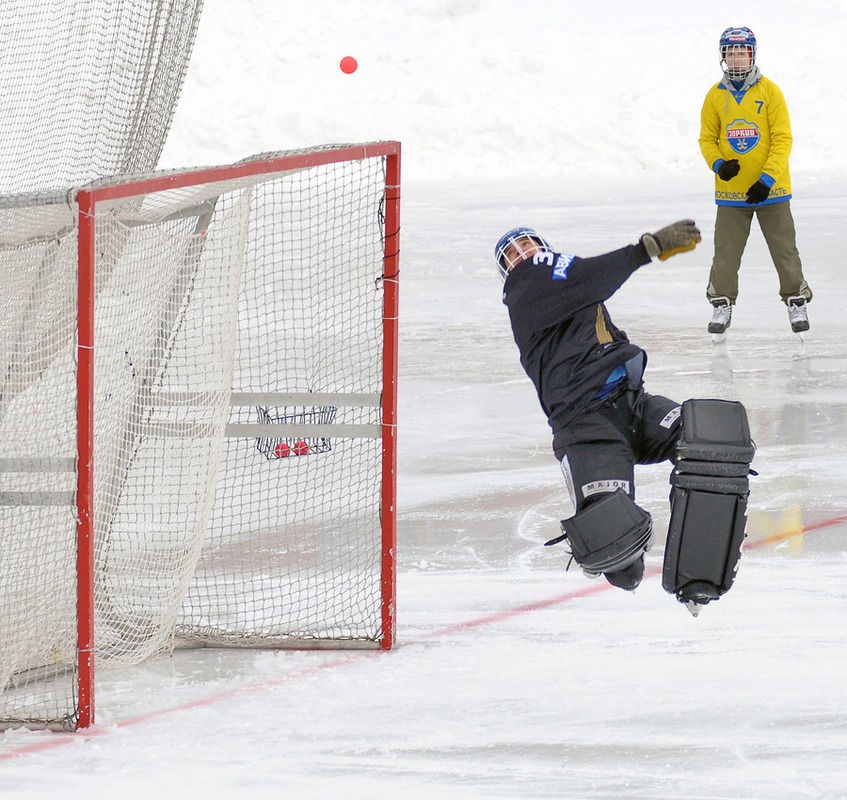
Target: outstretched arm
{"type": "Point", "coordinates": [552, 287]}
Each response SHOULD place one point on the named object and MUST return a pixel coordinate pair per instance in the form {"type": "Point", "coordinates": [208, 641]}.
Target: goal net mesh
{"type": "Point", "coordinates": [237, 453]}
{"type": "Point", "coordinates": [88, 88]}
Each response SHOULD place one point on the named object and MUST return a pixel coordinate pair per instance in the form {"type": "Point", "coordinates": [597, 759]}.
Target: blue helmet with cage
{"type": "Point", "coordinates": [734, 40]}
{"type": "Point", "coordinates": [506, 262]}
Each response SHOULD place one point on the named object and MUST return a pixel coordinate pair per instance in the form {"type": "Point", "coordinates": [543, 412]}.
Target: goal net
{"type": "Point", "coordinates": [88, 88]}
{"type": "Point", "coordinates": [197, 418]}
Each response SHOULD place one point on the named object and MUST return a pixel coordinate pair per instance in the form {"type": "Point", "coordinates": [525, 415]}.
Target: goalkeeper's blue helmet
{"type": "Point", "coordinates": [504, 262]}
{"type": "Point", "coordinates": [737, 38]}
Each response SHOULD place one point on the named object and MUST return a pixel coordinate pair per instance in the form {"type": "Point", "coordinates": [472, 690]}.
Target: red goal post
{"type": "Point", "coordinates": [232, 445]}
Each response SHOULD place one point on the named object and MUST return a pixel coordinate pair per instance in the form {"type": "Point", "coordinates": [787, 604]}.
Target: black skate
{"type": "Point", "coordinates": [629, 577]}
{"type": "Point", "coordinates": [696, 595]}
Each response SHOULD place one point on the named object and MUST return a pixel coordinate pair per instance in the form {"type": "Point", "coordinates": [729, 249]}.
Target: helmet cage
{"type": "Point", "coordinates": [737, 40]}
{"type": "Point", "coordinates": [513, 237]}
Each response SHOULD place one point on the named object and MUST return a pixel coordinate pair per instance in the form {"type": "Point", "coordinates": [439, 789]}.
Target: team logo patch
{"type": "Point", "coordinates": [595, 487]}
{"type": "Point", "coordinates": [742, 136]}
{"type": "Point", "coordinates": [671, 417]}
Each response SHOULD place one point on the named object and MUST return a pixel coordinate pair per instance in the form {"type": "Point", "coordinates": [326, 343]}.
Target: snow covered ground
{"type": "Point", "coordinates": [513, 678]}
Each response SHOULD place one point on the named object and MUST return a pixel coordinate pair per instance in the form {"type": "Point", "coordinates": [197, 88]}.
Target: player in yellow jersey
{"type": "Point", "coordinates": [745, 137]}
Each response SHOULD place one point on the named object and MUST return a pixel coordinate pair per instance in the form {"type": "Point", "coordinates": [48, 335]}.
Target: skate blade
{"type": "Point", "coordinates": [718, 338]}
{"type": "Point", "coordinates": [694, 608]}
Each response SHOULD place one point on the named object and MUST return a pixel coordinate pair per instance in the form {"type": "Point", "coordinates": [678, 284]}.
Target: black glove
{"type": "Point", "coordinates": [758, 192]}
{"type": "Point", "coordinates": [673, 239]}
{"type": "Point", "coordinates": [728, 169]}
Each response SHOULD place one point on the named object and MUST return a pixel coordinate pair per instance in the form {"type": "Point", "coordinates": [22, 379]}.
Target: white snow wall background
{"type": "Point", "coordinates": [496, 88]}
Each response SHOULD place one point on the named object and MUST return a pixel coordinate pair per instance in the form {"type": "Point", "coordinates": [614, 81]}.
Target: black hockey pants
{"type": "Point", "coordinates": [601, 447]}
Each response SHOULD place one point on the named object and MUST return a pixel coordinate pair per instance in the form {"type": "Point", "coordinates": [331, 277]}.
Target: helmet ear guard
{"type": "Point", "coordinates": [504, 263]}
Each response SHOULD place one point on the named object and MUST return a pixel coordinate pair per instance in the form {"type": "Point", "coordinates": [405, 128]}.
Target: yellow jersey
{"type": "Point", "coordinates": [751, 125]}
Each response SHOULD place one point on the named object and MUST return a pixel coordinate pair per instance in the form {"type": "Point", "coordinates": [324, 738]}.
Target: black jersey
{"type": "Point", "coordinates": [567, 341]}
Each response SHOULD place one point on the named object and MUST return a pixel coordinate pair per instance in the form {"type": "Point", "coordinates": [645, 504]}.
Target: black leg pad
{"type": "Point", "coordinates": [704, 543]}
{"type": "Point", "coordinates": [610, 534]}
{"type": "Point", "coordinates": [708, 501]}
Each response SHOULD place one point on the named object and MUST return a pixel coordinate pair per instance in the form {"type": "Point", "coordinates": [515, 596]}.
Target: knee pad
{"type": "Point", "coordinates": [608, 535]}
{"type": "Point", "coordinates": [708, 501]}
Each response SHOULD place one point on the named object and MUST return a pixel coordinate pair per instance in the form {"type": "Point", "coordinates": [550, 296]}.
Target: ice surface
{"type": "Point", "coordinates": [512, 677]}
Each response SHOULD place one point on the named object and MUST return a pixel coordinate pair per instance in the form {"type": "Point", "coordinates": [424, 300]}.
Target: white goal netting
{"type": "Point", "coordinates": [89, 88]}
{"type": "Point", "coordinates": [238, 420]}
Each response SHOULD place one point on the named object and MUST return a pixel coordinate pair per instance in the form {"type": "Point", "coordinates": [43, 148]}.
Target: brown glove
{"type": "Point", "coordinates": [675, 238]}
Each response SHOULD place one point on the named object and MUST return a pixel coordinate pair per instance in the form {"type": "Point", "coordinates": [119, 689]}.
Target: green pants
{"type": "Point", "coordinates": [732, 228]}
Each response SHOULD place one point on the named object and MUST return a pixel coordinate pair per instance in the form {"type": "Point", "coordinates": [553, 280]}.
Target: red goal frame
{"type": "Point", "coordinates": [87, 200]}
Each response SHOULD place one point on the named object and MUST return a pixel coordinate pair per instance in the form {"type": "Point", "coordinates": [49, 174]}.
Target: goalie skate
{"type": "Point", "coordinates": [696, 596]}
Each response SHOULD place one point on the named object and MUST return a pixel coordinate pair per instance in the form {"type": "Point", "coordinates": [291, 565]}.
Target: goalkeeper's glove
{"type": "Point", "coordinates": [675, 238]}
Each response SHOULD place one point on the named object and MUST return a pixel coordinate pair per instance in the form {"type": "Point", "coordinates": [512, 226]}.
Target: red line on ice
{"type": "Point", "coordinates": [62, 739]}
